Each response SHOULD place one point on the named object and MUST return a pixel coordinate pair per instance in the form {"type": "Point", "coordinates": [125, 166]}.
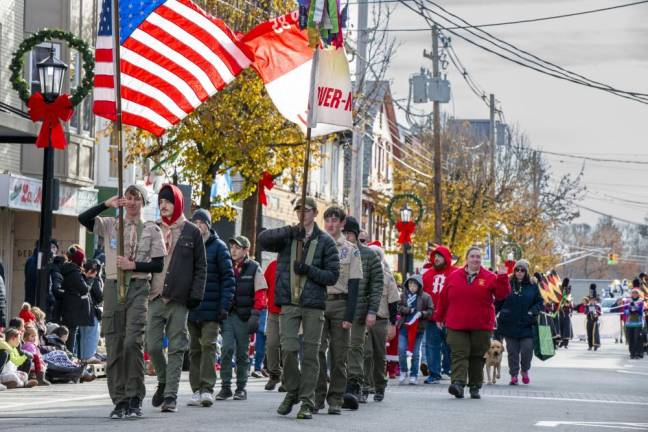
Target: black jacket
{"type": "Point", "coordinates": [75, 302]}
{"type": "Point", "coordinates": [517, 313]}
{"type": "Point", "coordinates": [185, 277]}
{"type": "Point", "coordinates": [56, 290]}
{"type": "Point", "coordinates": [324, 271]}
{"type": "Point", "coordinates": [96, 296]}
{"type": "Point", "coordinates": [244, 294]}
{"type": "Point", "coordinates": [219, 288]}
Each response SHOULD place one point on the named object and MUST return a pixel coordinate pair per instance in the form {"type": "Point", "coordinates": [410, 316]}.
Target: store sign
{"type": "Point", "coordinates": [26, 194]}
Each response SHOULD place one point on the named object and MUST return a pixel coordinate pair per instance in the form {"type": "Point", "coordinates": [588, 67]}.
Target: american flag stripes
{"type": "Point", "coordinates": [173, 57]}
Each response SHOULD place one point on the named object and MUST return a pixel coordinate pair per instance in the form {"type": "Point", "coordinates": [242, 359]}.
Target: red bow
{"type": "Point", "coordinates": [406, 229]}
{"type": "Point", "coordinates": [51, 115]}
{"type": "Point", "coordinates": [266, 182]}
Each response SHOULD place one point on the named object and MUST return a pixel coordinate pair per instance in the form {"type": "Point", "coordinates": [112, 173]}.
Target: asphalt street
{"type": "Point", "coordinates": [576, 390]}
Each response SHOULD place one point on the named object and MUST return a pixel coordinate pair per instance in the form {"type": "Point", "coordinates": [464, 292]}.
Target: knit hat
{"type": "Point", "coordinates": [351, 225]}
{"type": "Point", "coordinates": [76, 254]}
{"type": "Point", "coordinates": [201, 215]}
{"type": "Point", "coordinates": [522, 264]}
{"type": "Point", "coordinates": [167, 194]}
{"type": "Point", "coordinates": [140, 190]}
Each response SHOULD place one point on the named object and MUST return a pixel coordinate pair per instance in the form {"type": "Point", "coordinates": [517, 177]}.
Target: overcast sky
{"type": "Point", "coordinates": [610, 46]}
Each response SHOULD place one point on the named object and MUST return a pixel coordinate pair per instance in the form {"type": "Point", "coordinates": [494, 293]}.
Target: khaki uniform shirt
{"type": "Point", "coordinates": [171, 234]}
{"type": "Point", "coordinates": [350, 266]}
{"type": "Point", "coordinates": [389, 295]}
{"type": "Point", "coordinates": [150, 245]}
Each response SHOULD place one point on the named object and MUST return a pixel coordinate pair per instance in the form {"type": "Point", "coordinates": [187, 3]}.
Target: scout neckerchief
{"type": "Point", "coordinates": [297, 283]}
{"type": "Point", "coordinates": [134, 235]}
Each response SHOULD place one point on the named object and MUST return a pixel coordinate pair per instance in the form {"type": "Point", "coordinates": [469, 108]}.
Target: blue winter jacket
{"type": "Point", "coordinates": [220, 286]}
{"type": "Point", "coordinates": [518, 312]}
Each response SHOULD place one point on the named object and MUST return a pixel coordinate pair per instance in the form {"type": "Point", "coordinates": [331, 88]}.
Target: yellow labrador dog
{"type": "Point", "coordinates": [494, 361]}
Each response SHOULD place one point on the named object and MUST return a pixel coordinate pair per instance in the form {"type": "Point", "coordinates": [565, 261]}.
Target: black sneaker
{"type": "Point", "coordinates": [169, 404]}
{"type": "Point", "coordinates": [272, 383]}
{"type": "Point", "coordinates": [240, 394]}
{"type": "Point", "coordinates": [457, 390]}
{"type": "Point", "coordinates": [158, 396]}
{"type": "Point", "coordinates": [380, 395]}
{"type": "Point", "coordinates": [134, 408]}
{"type": "Point", "coordinates": [287, 405]}
{"type": "Point", "coordinates": [282, 389]}
{"type": "Point", "coordinates": [119, 412]}
{"type": "Point", "coordinates": [224, 393]}
{"type": "Point", "coordinates": [474, 392]}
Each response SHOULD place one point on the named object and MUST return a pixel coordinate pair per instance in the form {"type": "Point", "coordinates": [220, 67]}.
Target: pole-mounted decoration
{"type": "Point", "coordinates": [405, 225]}
{"type": "Point", "coordinates": [266, 182]}
{"type": "Point", "coordinates": [42, 107]}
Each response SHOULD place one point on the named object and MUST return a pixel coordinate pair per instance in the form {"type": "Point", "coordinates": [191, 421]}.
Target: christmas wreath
{"type": "Point", "coordinates": [51, 113]}
{"type": "Point", "coordinates": [405, 229]}
{"type": "Point", "coordinates": [17, 63]}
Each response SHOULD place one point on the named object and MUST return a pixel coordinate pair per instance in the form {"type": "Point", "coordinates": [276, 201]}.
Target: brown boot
{"type": "Point", "coordinates": [42, 381]}
{"type": "Point", "coordinates": [31, 383]}
{"type": "Point", "coordinates": [11, 385]}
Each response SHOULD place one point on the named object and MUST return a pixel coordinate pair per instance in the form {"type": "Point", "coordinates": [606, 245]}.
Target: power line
{"type": "Point", "coordinates": [525, 59]}
{"type": "Point", "coordinates": [504, 23]}
{"type": "Point", "coordinates": [608, 215]}
{"type": "Point", "coordinates": [593, 159]}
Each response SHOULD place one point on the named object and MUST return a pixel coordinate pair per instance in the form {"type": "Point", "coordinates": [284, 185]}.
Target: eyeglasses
{"type": "Point", "coordinates": [519, 269]}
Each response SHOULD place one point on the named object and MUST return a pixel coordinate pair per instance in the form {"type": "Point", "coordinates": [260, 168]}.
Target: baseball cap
{"type": "Point", "coordinates": [310, 203]}
{"type": "Point", "coordinates": [241, 241]}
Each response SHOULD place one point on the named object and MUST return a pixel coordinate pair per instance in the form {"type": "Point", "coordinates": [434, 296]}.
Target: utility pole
{"type": "Point", "coordinates": [493, 247]}
{"type": "Point", "coordinates": [438, 203]}
{"type": "Point", "coordinates": [357, 147]}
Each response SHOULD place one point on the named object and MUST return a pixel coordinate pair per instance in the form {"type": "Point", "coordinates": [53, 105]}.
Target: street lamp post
{"type": "Point", "coordinates": [50, 74]}
{"type": "Point", "coordinates": [405, 216]}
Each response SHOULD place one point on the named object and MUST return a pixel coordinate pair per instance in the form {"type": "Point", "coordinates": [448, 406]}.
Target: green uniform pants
{"type": "Point", "coordinates": [203, 336]}
{"type": "Point", "coordinates": [356, 352]}
{"type": "Point", "coordinates": [300, 383]}
{"type": "Point", "coordinates": [168, 319]}
{"type": "Point", "coordinates": [273, 345]}
{"type": "Point", "coordinates": [123, 326]}
{"type": "Point", "coordinates": [336, 339]}
{"type": "Point", "coordinates": [468, 349]}
{"type": "Point", "coordinates": [236, 339]}
{"type": "Point", "coordinates": [374, 366]}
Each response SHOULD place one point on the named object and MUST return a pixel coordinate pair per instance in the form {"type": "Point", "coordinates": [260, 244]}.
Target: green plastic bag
{"type": "Point", "coordinates": [543, 346]}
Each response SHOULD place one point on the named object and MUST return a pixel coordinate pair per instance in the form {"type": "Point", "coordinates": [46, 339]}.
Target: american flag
{"type": "Point", "coordinates": [174, 56]}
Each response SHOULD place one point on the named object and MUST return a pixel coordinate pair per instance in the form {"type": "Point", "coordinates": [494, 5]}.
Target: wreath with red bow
{"type": "Point", "coordinates": [405, 229]}
{"type": "Point", "coordinates": [62, 109]}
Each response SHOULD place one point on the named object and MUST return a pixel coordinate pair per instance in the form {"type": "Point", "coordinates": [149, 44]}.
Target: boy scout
{"type": "Point", "coordinates": [301, 293]}
{"type": "Point", "coordinates": [369, 293]}
{"type": "Point", "coordinates": [340, 307]}
{"type": "Point", "coordinates": [124, 319]}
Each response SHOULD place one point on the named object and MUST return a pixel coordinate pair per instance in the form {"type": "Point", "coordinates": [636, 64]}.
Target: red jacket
{"type": "Point", "coordinates": [465, 306]}
{"type": "Point", "coordinates": [435, 280]}
{"type": "Point", "coordinates": [270, 277]}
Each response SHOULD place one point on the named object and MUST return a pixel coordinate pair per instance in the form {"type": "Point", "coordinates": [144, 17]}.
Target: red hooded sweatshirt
{"type": "Point", "coordinates": [270, 276]}
{"type": "Point", "coordinates": [178, 204]}
{"type": "Point", "coordinates": [435, 280]}
{"type": "Point", "coordinates": [469, 306]}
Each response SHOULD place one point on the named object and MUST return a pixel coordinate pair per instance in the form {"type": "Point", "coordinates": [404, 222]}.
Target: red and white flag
{"type": "Point", "coordinates": [282, 58]}
{"type": "Point", "coordinates": [174, 56]}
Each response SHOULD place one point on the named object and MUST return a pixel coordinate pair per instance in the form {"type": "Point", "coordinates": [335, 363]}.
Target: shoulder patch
{"type": "Point", "coordinates": [356, 253]}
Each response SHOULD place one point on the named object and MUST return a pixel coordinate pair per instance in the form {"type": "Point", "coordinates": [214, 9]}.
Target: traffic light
{"type": "Point", "coordinates": [613, 259]}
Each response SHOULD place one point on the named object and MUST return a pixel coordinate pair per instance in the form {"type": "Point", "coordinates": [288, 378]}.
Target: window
{"type": "Point", "coordinates": [74, 72]}
{"type": "Point", "coordinates": [38, 54]}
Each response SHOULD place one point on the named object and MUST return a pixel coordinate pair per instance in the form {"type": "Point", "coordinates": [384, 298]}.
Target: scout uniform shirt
{"type": "Point", "coordinates": [350, 266]}
{"type": "Point", "coordinates": [149, 244]}
{"type": "Point", "coordinates": [389, 295]}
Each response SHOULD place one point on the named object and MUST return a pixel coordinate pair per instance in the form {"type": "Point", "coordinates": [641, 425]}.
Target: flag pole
{"type": "Point", "coordinates": [117, 130]}
{"type": "Point", "coordinates": [311, 122]}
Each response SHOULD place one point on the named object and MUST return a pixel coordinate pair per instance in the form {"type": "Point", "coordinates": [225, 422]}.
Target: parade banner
{"type": "Point", "coordinates": [282, 58]}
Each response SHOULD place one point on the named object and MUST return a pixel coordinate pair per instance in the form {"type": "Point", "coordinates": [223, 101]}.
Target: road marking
{"type": "Point", "coordinates": [632, 372]}
{"type": "Point", "coordinates": [570, 399]}
{"type": "Point", "coordinates": [55, 401]}
{"type": "Point", "coordinates": [614, 425]}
